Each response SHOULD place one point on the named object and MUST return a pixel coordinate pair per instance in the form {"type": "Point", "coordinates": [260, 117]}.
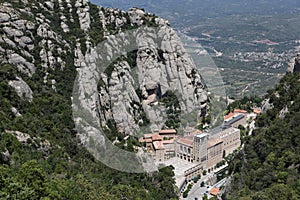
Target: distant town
{"type": "Point", "coordinates": [200, 154]}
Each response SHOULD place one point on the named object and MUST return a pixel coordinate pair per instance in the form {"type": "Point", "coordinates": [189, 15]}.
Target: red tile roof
{"type": "Point", "coordinates": [156, 137]}
{"type": "Point", "coordinates": [214, 191]}
{"type": "Point", "coordinates": [239, 111]}
{"type": "Point", "coordinates": [230, 115]}
{"type": "Point", "coordinates": [186, 141]}
{"type": "Point", "coordinates": [168, 131]}
{"type": "Point", "coordinates": [158, 145]}
{"type": "Point", "coordinates": [257, 110]}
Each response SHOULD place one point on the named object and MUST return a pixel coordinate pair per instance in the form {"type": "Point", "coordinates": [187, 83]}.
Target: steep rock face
{"type": "Point", "coordinates": [43, 45]}
{"type": "Point", "coordinates": [156, 71]}
{"type": "Point", "coordinates": [294, 65]}
{"type": "Point", "coordinates": [37, 40]}
{"type": "Point", "coordinates": [155, 76]}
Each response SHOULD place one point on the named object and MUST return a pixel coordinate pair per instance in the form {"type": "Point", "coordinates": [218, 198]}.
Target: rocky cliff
{"type": "Point", "coordinates": [294, 65]}
{"type": "Point", "coordinates": [47, 41]}
{"type": "Point", "coordinates": [45, 47]}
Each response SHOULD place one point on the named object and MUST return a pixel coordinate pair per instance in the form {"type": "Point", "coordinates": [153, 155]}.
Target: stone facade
{"type": "Point", "coordinates": [205, 149]}
{"type": "Point", "coordinates": [184, 148]}
{"type": "Point", "coordinates": [200, 147]}
{"type": "Point", "coordinates": [231, 139]}
{"type": "Point", "coordinates": [214, 152]}
{"type": "Point", "coordinates": [160, 145]}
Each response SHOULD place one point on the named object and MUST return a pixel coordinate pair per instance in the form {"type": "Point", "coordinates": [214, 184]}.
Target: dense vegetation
{"type": "Point", "coordinates": [171, 102]}
{"type": "Point", "coordinates": [246, 103]}
{"type": "Point", "coordinates": [65, 170]}
{"type": "Point", "coordinates": [69, 171]}
{"type": "Point", "coordinates": [269, 166]}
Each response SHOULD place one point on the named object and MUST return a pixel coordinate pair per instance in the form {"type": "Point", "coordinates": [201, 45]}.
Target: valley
{"type": "Point", "coordinates": [251, 43]}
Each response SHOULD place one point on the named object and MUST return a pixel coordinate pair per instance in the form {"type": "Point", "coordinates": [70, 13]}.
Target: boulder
{"type": "Point", "coordinates": [15, 112]}
{"type": "Point", "coordinates": [4, 17]}
{"type": "Point", "coordinates": [294, 64]}
{"type": "Point", "coordinates": [11, 32]}
{"type": "Point", "coordinates": [22, 89]}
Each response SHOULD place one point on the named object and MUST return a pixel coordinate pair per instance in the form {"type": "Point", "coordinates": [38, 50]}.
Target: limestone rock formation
{"type": "Point", "coordinates": [21, 88]}
{"type": "Point", "coordinates": [46, 39]}
{"type": "Point", "coordinates": [294, 65]}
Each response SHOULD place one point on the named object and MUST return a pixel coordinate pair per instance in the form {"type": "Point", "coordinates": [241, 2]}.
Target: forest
{"type": "Point", "coordinates": [269, 165]}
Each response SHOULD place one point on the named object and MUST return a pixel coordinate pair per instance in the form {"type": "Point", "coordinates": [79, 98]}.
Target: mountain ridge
{"type": "Point", "coordinates": [42, 47]}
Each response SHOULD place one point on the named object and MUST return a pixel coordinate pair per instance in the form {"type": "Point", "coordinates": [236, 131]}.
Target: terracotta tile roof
{"type": "Point", "coordinates": [213, 141]}
{"type": "Point", "coordinates": [158, 145]}
{"type": "Point", "coordinates": [257, 110]}
{"type": "Point", "coordinates": [239, 111]}
{"type": "Point", "coordinates": [186, 141]}
{"type": "Point", "coordinates": [156, 137]}
{"type": "Point", "coordinates": [230, 115]}
{"type": "Point", "coordinates": [147, 140]}
{"type": "Point", "coordinates": [214, 191]}
{"type": "Point", "coordinates": [168, 131]}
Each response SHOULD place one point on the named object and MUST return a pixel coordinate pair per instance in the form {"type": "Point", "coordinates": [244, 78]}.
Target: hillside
{"type": "Point", "coordinates": [269, 165]}
{"type": "Point", "coordinates": [44, 47]}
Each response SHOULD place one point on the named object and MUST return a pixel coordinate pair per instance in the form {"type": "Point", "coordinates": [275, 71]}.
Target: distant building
{"type": "Point", "coordinates": [214, 191]}
{"type": "Point", "coordinates": [240, 111]}
{"type": "Point", "coordinates": [168, 133]}
{"type": "Point", "coordinates": [229, 116]}
{"type": "Point", "coordinates": [169, 149]}
{"type": "Point", "coordinates": [160, 145]}
{"type": "Point", "coordinates": [236, 120]}
{"type": "Point", "coordinates": [257, 110]}
{"type": "Point", "coordinates": [159, 151]}
{"type": "Point", "coordinates": [204, 149]}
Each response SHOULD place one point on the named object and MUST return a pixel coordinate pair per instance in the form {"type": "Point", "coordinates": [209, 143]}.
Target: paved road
{"type": "Point", "coordinates": [198, 192]}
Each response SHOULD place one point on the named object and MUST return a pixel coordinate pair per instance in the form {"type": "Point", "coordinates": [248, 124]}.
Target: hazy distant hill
{"type": "Point", "coordinates": [256, 38]}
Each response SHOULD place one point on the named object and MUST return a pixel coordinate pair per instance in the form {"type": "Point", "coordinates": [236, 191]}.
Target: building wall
{"type": "Point", "coordinates": [160, 155]}
{"type": "Point", "coordinates": [168, 135]}
{"type": "Point", "coordinates": [200, 148]}
{"type": "Point", "coordinates": [184, 151]}
{"type": "Point", "coordinates": [242, 122]}
{"type": "Point", "coordinates": [169, 150]}
{"type": "Point", "coordinates": [231, 140]}
{"type": "Point", "coordinates": [214, 155]}
{"type": "Point", "coordinates": [194, 171]}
